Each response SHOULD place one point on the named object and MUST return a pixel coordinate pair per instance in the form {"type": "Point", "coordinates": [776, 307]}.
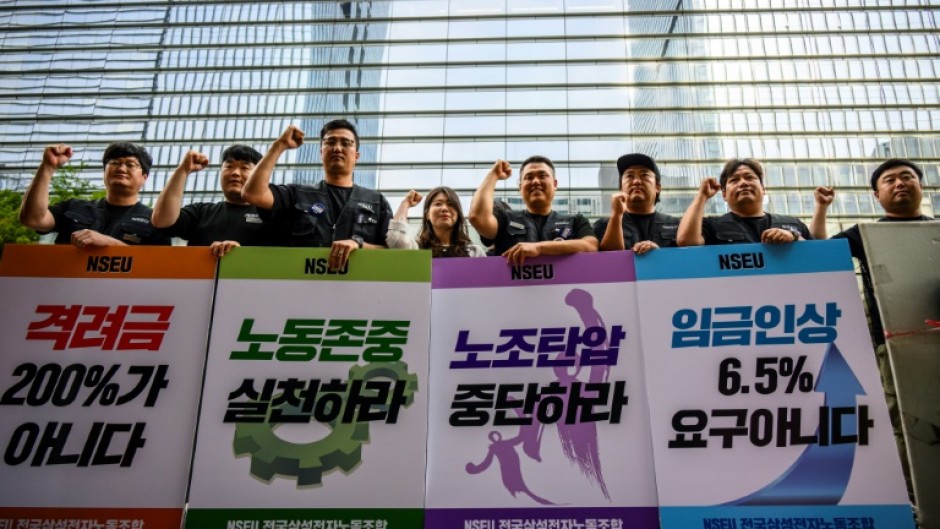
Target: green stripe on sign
{"type": "Point", "coordinates": [255, 518]}
{"type": "Point", "coordinates": [412, 266]}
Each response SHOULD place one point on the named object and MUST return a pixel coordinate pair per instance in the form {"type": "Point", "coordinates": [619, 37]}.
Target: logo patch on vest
{"type": "Point", "coordinates": [253, 218]}
{"type": "Point", "coordinates": [365, 206]}
{"type": "Point", "coordinates": [517, 225]}
{"type": "Point", "coordinates": [317, 209]}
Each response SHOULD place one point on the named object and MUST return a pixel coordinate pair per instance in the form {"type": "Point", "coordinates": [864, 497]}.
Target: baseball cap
{"type": "Point", "coordinates": [629, 160]}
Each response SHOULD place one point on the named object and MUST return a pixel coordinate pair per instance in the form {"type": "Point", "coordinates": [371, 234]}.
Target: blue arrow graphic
{"type": "Point", "coordinates": [821, 473]}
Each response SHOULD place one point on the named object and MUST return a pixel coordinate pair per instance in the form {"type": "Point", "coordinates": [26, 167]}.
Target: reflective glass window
{"type": "Point", "coordinates": [439, 88]}
{"type": "Point", "coordinates": [536, 99]}
{"type": "Point", "coordinates": [428, 29]}
{"type": "Point", "coordinates": [473, 29]}
{"type": "Point", "coordinates": [531, 27]}
{"type": "Point", "coordinates": [477, 7]}
{"type": "Point", "coordinates": [475, 100]}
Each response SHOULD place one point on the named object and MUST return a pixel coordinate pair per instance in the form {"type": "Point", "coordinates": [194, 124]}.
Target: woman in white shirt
{"type": "Point", "coordinates": [443, 226]}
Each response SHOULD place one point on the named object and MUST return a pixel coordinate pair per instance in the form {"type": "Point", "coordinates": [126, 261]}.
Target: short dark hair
{"type": "Point", "coordinates": [537, 159]}
{"type": "Point", "coordinates": [891, 164]}
{"type": "Point", "coordinates": [241, 153]}
{"type": "Point", "coordinates": [124, 149]}
{"type": "Point", "coordinates": [732, 165]}
{"type": "Point", "coordinates": [339, 124]}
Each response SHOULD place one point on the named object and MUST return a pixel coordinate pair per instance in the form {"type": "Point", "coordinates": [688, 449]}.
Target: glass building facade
{"type": "Point", "coordinates": [820, 91]}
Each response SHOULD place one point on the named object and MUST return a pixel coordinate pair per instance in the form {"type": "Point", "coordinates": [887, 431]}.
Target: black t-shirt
{"type": "Point", "coordinates": [339, 196]}
{"type": "Point", "coordinates": [643, 224]}
{"type": "Point", "coordinates": [114, 215]}
{"type": "Point", "coordinates": [755, 226]}
{"type": "Point", "coordinates": [539, 221]}
{"type": "Point", "coordinates": [203, 223]}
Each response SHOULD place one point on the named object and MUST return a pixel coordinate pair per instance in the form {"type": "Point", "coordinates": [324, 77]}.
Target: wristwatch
{"type": "Point", "coordinates": [358, 240]}
{"type": "Point", "coordinates": [794, 231]}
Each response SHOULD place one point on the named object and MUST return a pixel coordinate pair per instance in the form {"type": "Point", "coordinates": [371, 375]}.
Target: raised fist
{"type": "Point", "coordinates": [292, 137]}
{"type": "Point", "coordinates": [824, 195]}
{"type": "Point", "coordinates": [413, 198]}
{"type": "Point", "coordinates": [501, 169]}
{"type": "Point", "coordinates": [618, 203]}
{"type": "Point", "coordinates": [57, 155]}
{"type": "Point", "coordinates": [193, 161]}
{"type": "Point", "coordinates": [709, 188]}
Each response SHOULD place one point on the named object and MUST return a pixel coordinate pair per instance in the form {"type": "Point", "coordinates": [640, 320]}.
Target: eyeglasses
{"type": "Point", "coordinates": [130, 166]}
{"type": "Point", "coordinates": [333, 142]}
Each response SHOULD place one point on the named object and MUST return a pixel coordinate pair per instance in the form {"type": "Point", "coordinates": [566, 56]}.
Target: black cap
{"type": "Point", "coordinates": [629, 160]}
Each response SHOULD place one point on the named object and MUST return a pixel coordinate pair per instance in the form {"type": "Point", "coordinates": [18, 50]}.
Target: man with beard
{"type": "Point", "coordinates": [742, 185]}
{"type": "Point", "coordinates": [634, 222]}
{"type": "Point", "coordinates": [538, 230]}
{"type": "Point", "coordinates": [118, 219]}
{"type": "Point", "coordinates": [219, 225]}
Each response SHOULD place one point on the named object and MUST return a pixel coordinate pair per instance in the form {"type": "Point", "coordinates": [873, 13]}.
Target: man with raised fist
{"type": "Point", "coordinates": [219, 225]}
{"type": "Point", "coordinates": [634, 223]}
{"type": "Point", "coordinates": [518, 235]}
{"type": "Point", "coordinates": [117, 219]}
{"type": "Point", "coordinates": [742, 185]}
{"type": "Point", "coordinates": [333, 213]}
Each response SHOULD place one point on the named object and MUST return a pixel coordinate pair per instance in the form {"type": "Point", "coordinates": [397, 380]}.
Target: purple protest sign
{"type": "Point", "coordinates": [538, 407]}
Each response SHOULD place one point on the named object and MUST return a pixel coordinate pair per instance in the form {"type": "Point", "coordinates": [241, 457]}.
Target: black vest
{"type": "Point", "coordinates": [729, 231]}
{"type": "Point", "coordinates": [134, 227]}
{"type": "Point", "coordinates": [521, 227]}
{"type": "Point", "coordinates": [313, 223]}
{"type": "Point", "coordinates": [663, 230]}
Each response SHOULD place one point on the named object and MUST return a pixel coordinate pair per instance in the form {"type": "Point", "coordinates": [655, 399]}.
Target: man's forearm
{"type": "Point", "coordinates": [690, 227]}
{"type": "Point", "coordinates": [34, 209]}
{"type": "Point", "coordinates": [587, 244]}
{"type": "Point", "coordinates": [167, 209]}
{"type": "Point", "coordinates": [613, 235]}
{"type": "Point", "coordinates": [481, 208]}
{"type": "Point", "coordinates": [817, 226]}
{"type": "Point", "coordinates": [256, 190]}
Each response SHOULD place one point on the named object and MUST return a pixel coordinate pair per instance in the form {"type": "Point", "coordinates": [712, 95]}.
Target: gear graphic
{"type": "Point", "coordinates": [341, 448]}
{"type": "Point", "coordinates": [397, 370]}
